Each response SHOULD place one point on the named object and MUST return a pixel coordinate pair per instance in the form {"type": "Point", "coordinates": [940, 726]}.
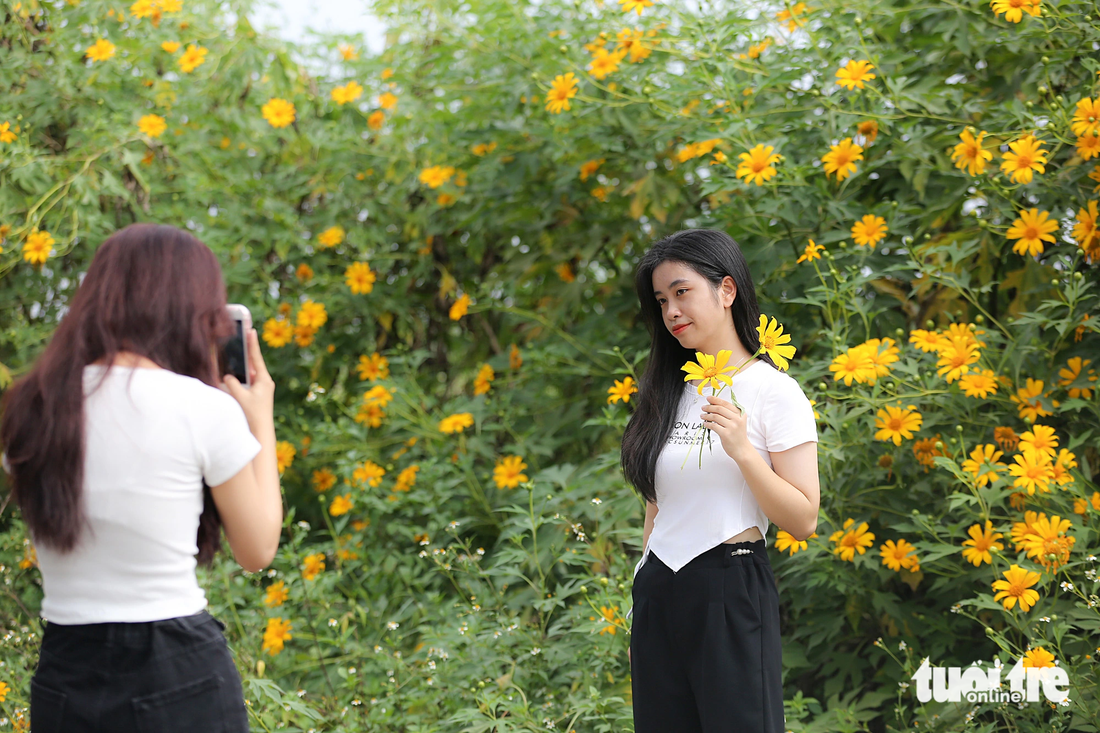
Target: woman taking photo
{"type": "Point", "coordinates": [128, 453]}
{"type": "Point", "coordinates": [705, 648]}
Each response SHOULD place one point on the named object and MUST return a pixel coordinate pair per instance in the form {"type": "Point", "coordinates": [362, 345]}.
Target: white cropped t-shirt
{"type": "Point", "coordinates": [148, 448]}
{"type": "Point", "coordinates": [699, 508]}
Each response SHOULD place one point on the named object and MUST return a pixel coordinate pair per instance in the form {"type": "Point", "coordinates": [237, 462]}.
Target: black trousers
{"type": "Point", "coordinates": [704, 644]}
{"type": "Point", "coordinates": [169, 676]}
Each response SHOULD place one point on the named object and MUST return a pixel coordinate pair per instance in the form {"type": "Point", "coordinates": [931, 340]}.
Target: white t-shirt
{"type": "Point", "coordinates": [699, 508]}
{"type": "Point", "coordinates": [147, 451]}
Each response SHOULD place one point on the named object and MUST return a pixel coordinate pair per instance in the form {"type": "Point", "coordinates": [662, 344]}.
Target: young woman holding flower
{"type": "Point", "coordinates": [127, 453]}
{"type": "Point", "coordinates": [705, 626]}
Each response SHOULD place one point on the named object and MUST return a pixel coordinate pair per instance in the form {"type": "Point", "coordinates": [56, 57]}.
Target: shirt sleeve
{"type": "Point", "coordinates": [789, 419]}
{"type": "Point", "coordinates": [223, 442]}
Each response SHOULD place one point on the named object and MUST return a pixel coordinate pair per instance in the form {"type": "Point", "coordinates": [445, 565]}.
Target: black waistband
{"type": "Point", "coordinates": [725, 555]}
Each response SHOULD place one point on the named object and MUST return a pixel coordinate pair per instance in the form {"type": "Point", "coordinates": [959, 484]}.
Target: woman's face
{"type": "Point", "coordinates": [689, 308]}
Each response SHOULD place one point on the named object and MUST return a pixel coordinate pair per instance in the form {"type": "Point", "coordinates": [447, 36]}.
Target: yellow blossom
{"type": "Point", "coordinates": [562, 89]}
{"type": "Point", "coordinates": [636, 5]}
{"type": "Point", "coordinates": [278, 112]}
{"type": "Point", "coordinates": [869, 231]}
{"type": "Point", "coordinates": [460, 307]}
{"type": "Point", "coordinates": [331, 237]}
{"type": "Point", "coordinates": [170, 46]}
{"type": "Point", "coordinates": [456, 423]}
{"type": "Point", "coordinates": [854, 74]}
{"type": "Point", "coordinates": [284, 455]}
{"type": "Point", "coordinates": [101, 50]}
{"type": "Point", "coordinates": [373, 367]}
{"type": "Point", "coordinates": [758, 164]}
{"type": "Point", "coordinates": [312, 565]}
{"type": "Point", "coordinates": [1026, 158]}
{"type": "Point", "coordinates": [359, 278]}
{"type": "Point", "coordinates": [347, 93]}
{"type": "Point", "coordinates": [785, 542]}
{"type": "Point", "coordinates": [621, 390]}
{"type": "Point", "coordinates": [37, 247]}
{"type": "Point", "coordinates": [774, 343]}
{"type": "Point", "coordinates": [152, 125]}
{"type": "Point", "coordinates": [895, 423]}
{"type": "Point", "coordinates": [277, 332]}
{"type": "Point", "coordinates": [812, 252]}
{"type": "Point", "coordinates": [849, 541]}
{"type": "Point", "coordinates": [340, 505]}
{"type": "Point", "coordinates": [898, 555]}
{"type": "Point", "coordinates": [1016, 588]}
{"type": "Point", "coordinates": [276, 633]}
{"type": "Point", "coordinates": [977, 549]}
{"type": "Point", "coordinates": [387, 100]}
{"type": "Point", "coordinates": [276, 594]}
{"type": "Point", "coordinates": [1031, 229]}
{"type": "Point", "coordinates": [312, 315]}
{"type": "Point", "coordinates": [192, 58]}
{"type": "Point", "coordinates": [508, 472]}
{"type": "Point", "coordinates": [841, 159]}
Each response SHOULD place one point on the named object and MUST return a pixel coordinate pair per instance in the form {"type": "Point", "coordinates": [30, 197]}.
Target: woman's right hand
{"type": "Point", "coordinates": [257, 400]}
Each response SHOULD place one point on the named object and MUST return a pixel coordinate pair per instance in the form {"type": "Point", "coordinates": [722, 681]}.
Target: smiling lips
{"type": "Point", "coordinates": [680, 329]}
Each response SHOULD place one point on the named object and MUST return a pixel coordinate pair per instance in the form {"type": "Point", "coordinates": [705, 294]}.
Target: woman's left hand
{"type": "Point", "coordinates": [729, 423]}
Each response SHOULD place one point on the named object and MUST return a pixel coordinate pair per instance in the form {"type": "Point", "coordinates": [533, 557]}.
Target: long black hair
{"type": "Point", "coordinates": [151, 289]}
{"type": "Point", "coordinates": [714, 255]}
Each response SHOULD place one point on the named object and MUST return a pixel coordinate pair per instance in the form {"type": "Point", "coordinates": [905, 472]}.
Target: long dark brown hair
{"type": "Point", "coordinates": [151, 289]}
{"type": "Point", "coordinates": [714, 255]}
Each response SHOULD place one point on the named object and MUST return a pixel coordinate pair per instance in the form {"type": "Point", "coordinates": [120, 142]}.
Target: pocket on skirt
{"type": "Point", "coordinates": [47, 708]}
{"type": "Point", "coordinates": [195, 706]}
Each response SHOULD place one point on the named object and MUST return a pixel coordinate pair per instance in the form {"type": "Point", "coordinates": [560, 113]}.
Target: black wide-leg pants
{"type": "Point", "coordinates": [704, 644]}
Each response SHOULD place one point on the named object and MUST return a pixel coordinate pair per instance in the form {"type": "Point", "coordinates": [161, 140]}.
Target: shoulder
{"type": "Point", "coordinates": [195, 392]}
{"type": "Point", "coordinates": [781, 386]}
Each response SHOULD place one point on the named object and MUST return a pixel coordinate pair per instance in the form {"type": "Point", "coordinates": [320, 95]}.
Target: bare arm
{"type": "Point", "coordinates": [647, 527]}
{"type": "Point", "coordinates": [251, 503]}
{"type": "Point", "coordinates": [789, 492]}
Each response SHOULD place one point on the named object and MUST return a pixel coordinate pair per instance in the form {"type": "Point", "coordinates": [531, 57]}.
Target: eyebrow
{"type": "Point", "coordinates": [673, 284]}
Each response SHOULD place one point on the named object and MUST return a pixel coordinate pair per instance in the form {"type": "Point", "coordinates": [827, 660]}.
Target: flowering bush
{"type": "Point", "coordinates": [437, 244]}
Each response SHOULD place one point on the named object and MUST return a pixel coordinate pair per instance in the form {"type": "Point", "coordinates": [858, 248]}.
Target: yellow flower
{"type": "Point", "coordinates": [347, 93]}
{"type": "Point", "coordinates": [1095, 176]}
{"type": "Point", "coordinates": [387, 100]}
{"type": "Point", "coordinates": [1086, 119]}
{"type": "Point", "coordinates": [785, 541]}
{"type": "Point", "coordinates": [1029, 400]}
{"type": "Point", "coordinates": [484, 379]}
{"type": "Point", "coordinates": [445, 199]}
{"type": "Point", "coordinates": [1086, 233]}
{"type": "Point", "coordinates": [621, 390]}
{"type": "Point", "coordinates": [284, 455]}
{"type": "Point", "coordinates": [370, 414]}
{"type": "Point", "coordinates": [406, 478]}
{"type": "Point", "coordinates": [632, 41]}
{"type": "Point", "coordinates": [483, 149]}
{"type": "Point", "coordinates": [927, 341]}
{"type": "Point", "coordinates": [348, 52]}
{"type": "Point", "coordinates": [565, 272]}
{"type": "Point", "coordinates": [277, 594]}
{"type": "Point", "coordinates": [377, 395]}
{"type": "Point", "coordinates": [636, 5]}
{"type": "Point", "coordinates": [359, 278]}
{"type": "Point", "coordinates": [437, 175]}
{"type": "Point", "coordinates": [1014, 9]}
{"type": "Point", "coordinates": [1073, 373]}
{"type": "Point", "coordinates": [757, 165]}
{"type": "Point", "coordinates": [812, 252]}
{"type": "Point", "coordinates": [590, 167]}
{"type": "Point", "coordinates": [508, 472]}
{"type": "Point", "coordinates": [895, 423]}
{"type": "Point", "coordinates": [774, 342]}
{"type": "Point", "coordinates": [456, 423]}
{"type": "Point", "coordinates": [955, 359]}
{"type": "Point", "coordinates": [1038, 657]}
{"type": "Point", "coordinates": [37, 247]}
{"type": "Point", "coordinates": [977, 549]}
{"type": "Point", "coordinates": [1047, 543]}
{"type": "Point", "coordinates": [1032, 471]}
{"type": "Point", "coordinates": [192, 58]}
{"type": "Point", "coordinates": [601, 192]}
{"type": "Point", "coordinates": [6, 134]}
{"type": "Point", "coordinates": [515, 360]}
{"type": "Point", "coordinates": [331, 237]}
{"type": "Point", "coordinates": [850, 541]}
{"type": "Point", "coordinates": [790, 16]}
{"type": "Point", "coordinates": [605, 63]}
{"type": "Point", "coordinates": [373, 367]}
{"type": "Point", "coordinates": [1088, 146]}
{"type": "Point", "coordinates": [277, 332]}
{"type": "Point", "coordinates": [170, 46]}
{"type": "Point", "coordinates": [460, 307]}
{"type": "Point", "coordinates": [899, 555]}
{"type": "Point", "coordinates": [562, 89]}
{"type": "Point", "coordinates": [101, 50]}
{"type": "Point", "coordinates": [278, 112]}
{"type": "Point", "coordinates": [969, 153]}
{"type": "Point", "coordinates": [152, 125]}
{"type": "Point", "coordinates": [981, 455]}
{"type": "Point", "coordinates": [841, 159]}
{"type": "Point", "coordinates": [758, 48]}
{"type": "Point", "coordinates": [386, 73]}
{"type": "Point", "coordinates": [369, 473]}
{"type": "Point", "coordinates": [276, 633]}
{"type": "Point", "coordinates": [869, 231]}
{"type": "Point", "coordinates": [323, 479]}
{"type": "Point", "coordinates": [868, 129]}
{"type": "Point", "coordinates": [312, 315]}
{"type": "Point", "coordinates": [710, 369]}
{"type": "Point", "coordinates": [1041, 439]}
{"type": "Point", "coordinates": [304, 273]}
{"type": "Point", "coordinates": [376, 119]}
{"type": "Point", "coordinates": [978, 384]}
{"type": "Point", "coordinates": [312, 565]}
{"type": "Point", "coordinates": [340, 505]}
{"type": "Point", "coordinates": [1031, 229]}
{"type": "Point", "coordinates": [1027, 156]}
{"type": "Point", "coordinates": [1016, 587]}
{"type": "Point", "coordinates": [854, 74]}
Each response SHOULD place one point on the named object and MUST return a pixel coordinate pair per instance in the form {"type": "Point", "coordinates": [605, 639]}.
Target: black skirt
{"type": "Point", "coordinates": [167, 676]}
{"type": "Point", "coordinates": [704, 644]}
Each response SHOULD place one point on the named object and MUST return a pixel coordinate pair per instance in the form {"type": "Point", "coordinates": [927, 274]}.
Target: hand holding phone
{"type": "Point", "coordinates": [234, 352]}
{"type": "Point", "coordinates": [258, 399]}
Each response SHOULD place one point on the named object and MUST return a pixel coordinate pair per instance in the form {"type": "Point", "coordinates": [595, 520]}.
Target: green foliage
{"type": "Point", "coordinates": [451, 602]}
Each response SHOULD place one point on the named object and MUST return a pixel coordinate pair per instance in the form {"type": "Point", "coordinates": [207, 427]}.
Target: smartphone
{"type": "Point", "coordinates": [233, 354]}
